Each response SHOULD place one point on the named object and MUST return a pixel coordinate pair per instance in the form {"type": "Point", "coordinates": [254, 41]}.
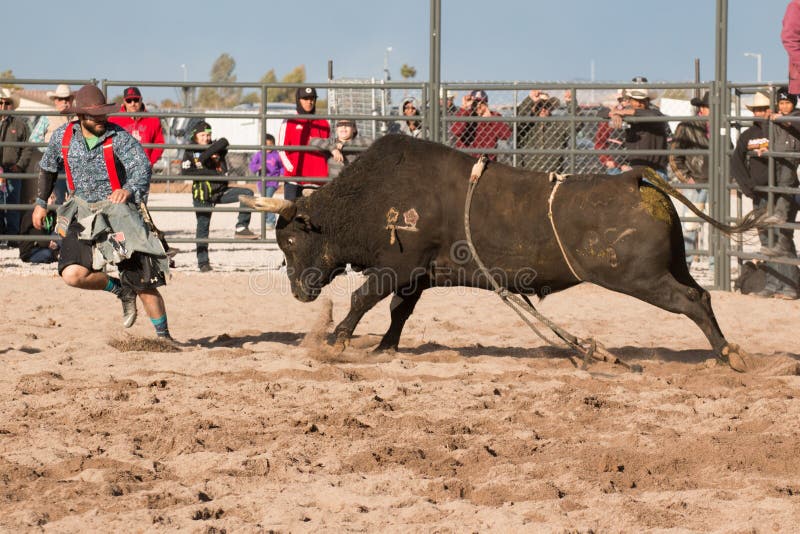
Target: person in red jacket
{"type": "Point", "coordinates": [299, 132]}
{"type": "Point", "coordinates": [479, 135]}
{"type": "Point", "coordinates": [146, 130]}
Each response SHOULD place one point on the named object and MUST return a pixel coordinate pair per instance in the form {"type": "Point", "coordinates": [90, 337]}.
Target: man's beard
{"type": "Point", "coordinates": [96, 128]}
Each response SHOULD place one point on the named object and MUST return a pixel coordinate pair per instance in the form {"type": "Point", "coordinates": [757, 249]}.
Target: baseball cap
{"type": "Point", "coordinates": [132, 92]}
{"type": "Point", "coordinates": [305, 92]}
{"type": "Point", "coordinates": [784, 94]}
{"type": "Point", "coordinates": [201, 126]}
{"type": "Point", "coordinates": [479, 96]}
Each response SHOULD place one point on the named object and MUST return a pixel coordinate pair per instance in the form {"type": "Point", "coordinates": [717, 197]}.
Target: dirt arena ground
{"type": "Point", "coordinates": [473, 426]}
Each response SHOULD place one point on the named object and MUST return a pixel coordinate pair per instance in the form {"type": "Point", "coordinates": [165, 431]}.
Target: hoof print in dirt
{"type": "Point", "coordinates": [205, 514]}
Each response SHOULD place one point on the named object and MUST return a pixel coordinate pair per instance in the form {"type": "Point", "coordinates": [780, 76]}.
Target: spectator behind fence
{"type": "Point", "coordinates": [479, 135]}
{"type": "Point", "coordinates": [692, 169]}
{"type": "Point", "coordinates": [339, 150]}
{"type": "Point", "coordinates": [299, 132]}
{"type": "Point", "coordinates": [43, 131]}
{"type": "Point", "coordinates": [750, 169]}
{"type": "Point", "coordinates": [608, 138]}
{"type": "Point", "coordinates": [127, 241]}
{"type": "Point", "coordinates": [408, 127]}
{"type": "Point", "coordinates": [643, 135]}
{"type": "Point", "coordinates": [274, 169]}
{"type": "Point", "coordinates": [541, 135]}
{"type": "Point", "coordinates": [43, 251]}
{"type": "Point", "coordinates": [447, 101]}
{"type": "Point", "coordinates": [787, 139]}
{"type": "Point", "coordinates": [208, 191]}
{"type": "Point", "coordinates": [14, 160]}
{"type": "Point", "coordinates": [790, 36]}
{"type": "Point", "coordinates": [448, 108]}
{"type": "Point", "coordinates": [146, 130]}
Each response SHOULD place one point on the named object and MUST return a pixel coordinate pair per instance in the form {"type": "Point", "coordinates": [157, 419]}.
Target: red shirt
{"type": "Point", "coordinates": [479, 134]}
{"type": "Point", "coordinates": [145, 130]}
{"type": "Point", "coordinates": [298, 132]}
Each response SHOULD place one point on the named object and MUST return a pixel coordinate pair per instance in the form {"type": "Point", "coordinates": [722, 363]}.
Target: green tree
{"type": "Point", "coordinates": [9, 75]}
{"type": "Point", "coordinates": [297, 75]}
{"type": "Point", "coordinates": [221, 97]}
{"type": "Point", "coordinates": [407, 71]}
{"type": "Point", "coordinates": [254, 97]}
{"type": "Point", "coordinates": [168, 103]}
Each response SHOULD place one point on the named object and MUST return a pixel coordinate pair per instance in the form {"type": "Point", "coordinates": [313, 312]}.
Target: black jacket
{"type": "Point", "coordinates": [208, 163]}
{"type": "Point", "coordinates": [648, 136]}
{"type": "Point", "coordinates": [749, 170]}
{"type": "Point", "coordinates": [26, 248]}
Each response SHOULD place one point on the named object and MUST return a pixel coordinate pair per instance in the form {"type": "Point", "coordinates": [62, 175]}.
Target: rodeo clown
{"type": "Point", "coordinates": [108, 176]}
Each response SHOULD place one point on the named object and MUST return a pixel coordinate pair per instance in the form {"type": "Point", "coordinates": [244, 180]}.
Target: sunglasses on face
{"type": "Point", "coordinates": [5, 103]}
{"type": "Point", "coordinates": [131, 100]}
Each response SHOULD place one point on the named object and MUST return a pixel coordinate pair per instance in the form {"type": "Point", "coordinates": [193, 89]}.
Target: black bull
{"type": "Point", "coordinates": [397, 214]}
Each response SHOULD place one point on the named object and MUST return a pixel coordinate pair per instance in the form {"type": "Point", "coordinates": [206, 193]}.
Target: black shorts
{"type": "Point", "coordinates": [139, 272]}
{"type": "Point", "coordinates": [73, 250]}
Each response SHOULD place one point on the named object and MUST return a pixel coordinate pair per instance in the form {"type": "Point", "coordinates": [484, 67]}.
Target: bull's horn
{"type": "Point", "coordinates": [284, 208]}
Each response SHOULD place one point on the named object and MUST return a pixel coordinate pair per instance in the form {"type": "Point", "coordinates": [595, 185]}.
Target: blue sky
{"type": "Point", "coordinates": [502, 40]}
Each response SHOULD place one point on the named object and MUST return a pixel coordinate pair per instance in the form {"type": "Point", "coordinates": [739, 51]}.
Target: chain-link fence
{"type": "Point", "coordinates": [552, 127]}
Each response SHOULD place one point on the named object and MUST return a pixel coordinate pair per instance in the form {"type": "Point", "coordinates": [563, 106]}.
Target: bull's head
{"type": "Point", "coordinates": [308, 263]}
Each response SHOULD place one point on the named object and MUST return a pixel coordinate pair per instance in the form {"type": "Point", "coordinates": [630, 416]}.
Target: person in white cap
{"type": "Point", "coordinates": [643, 135]}
{"type": "Point", "coordinates": [47, 124]}
{"type": "Point", "coordinates": [750, 169]}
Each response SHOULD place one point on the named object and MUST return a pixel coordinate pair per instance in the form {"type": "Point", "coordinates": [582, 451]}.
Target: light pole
{"type": "Point", "coordinates": [387, 76]}
{"type": "Point", "coordinates": [758, 64]}
{"type": "Point", "coordinates": [186, 92]}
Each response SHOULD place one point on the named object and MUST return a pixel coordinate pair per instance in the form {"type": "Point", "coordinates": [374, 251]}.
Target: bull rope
{"type": "Point", "coordinates": [558, 179]}
{"type": "Point", "coordinates": [521, 304]}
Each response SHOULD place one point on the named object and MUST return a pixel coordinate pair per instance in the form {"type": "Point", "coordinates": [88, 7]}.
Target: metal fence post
{"type": "Point", "coordinates": [435, 73]}
{"type": "Point", "coordinates": [719, 147]}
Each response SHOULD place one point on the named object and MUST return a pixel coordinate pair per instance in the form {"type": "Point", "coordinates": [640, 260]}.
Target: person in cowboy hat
{"type": "Point", "coordinates": [784, 280]}
{"type": "Point", "coordinates": [47, 124]}
{"type": "Point", "coordinates": [81, 148]}
{"type": "Point", "coordinates": [750, 169]}
{"type": "Point", "coordinates": [14, 159]}
{"type": "Point", "coordinates": [643, 135]}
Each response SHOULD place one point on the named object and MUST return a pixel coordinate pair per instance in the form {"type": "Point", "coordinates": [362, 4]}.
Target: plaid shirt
{"type": "Point", "coordinates": [88, 167]}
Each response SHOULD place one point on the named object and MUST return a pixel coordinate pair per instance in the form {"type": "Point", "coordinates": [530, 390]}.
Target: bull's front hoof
{"type": "Point", "coordinates": [736, 357]}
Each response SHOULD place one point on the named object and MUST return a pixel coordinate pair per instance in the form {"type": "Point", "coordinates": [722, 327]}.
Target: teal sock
{"type": "Point", "coordinates": [113, 286]}
{"type": "Point", "coordinates": [160, 324]}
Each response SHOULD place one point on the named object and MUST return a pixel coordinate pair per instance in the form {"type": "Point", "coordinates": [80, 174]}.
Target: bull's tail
{"type": "Point", "coordinates": [754, 219]}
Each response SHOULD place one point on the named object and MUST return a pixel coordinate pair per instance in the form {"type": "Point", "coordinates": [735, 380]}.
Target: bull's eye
{"type": "Point", "coordinates": [290, 241]}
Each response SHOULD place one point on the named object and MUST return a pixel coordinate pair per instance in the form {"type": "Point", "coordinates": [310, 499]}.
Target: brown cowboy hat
{"type": "Point", "coordinates": [89, 100]}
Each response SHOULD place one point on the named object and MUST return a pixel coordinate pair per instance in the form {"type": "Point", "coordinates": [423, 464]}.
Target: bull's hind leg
{"type": "Point", "coordinates": [403, 303]}
{"type": "Point", "coordinates": [694, 302]}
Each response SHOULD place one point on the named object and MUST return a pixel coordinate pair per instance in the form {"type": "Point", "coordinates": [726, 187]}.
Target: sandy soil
{"type": "Point", "coordinates": [474, 425]}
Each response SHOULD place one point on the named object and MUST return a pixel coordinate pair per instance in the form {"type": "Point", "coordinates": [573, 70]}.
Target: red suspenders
{"type": "Point", "coordinates": [108, 156]}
